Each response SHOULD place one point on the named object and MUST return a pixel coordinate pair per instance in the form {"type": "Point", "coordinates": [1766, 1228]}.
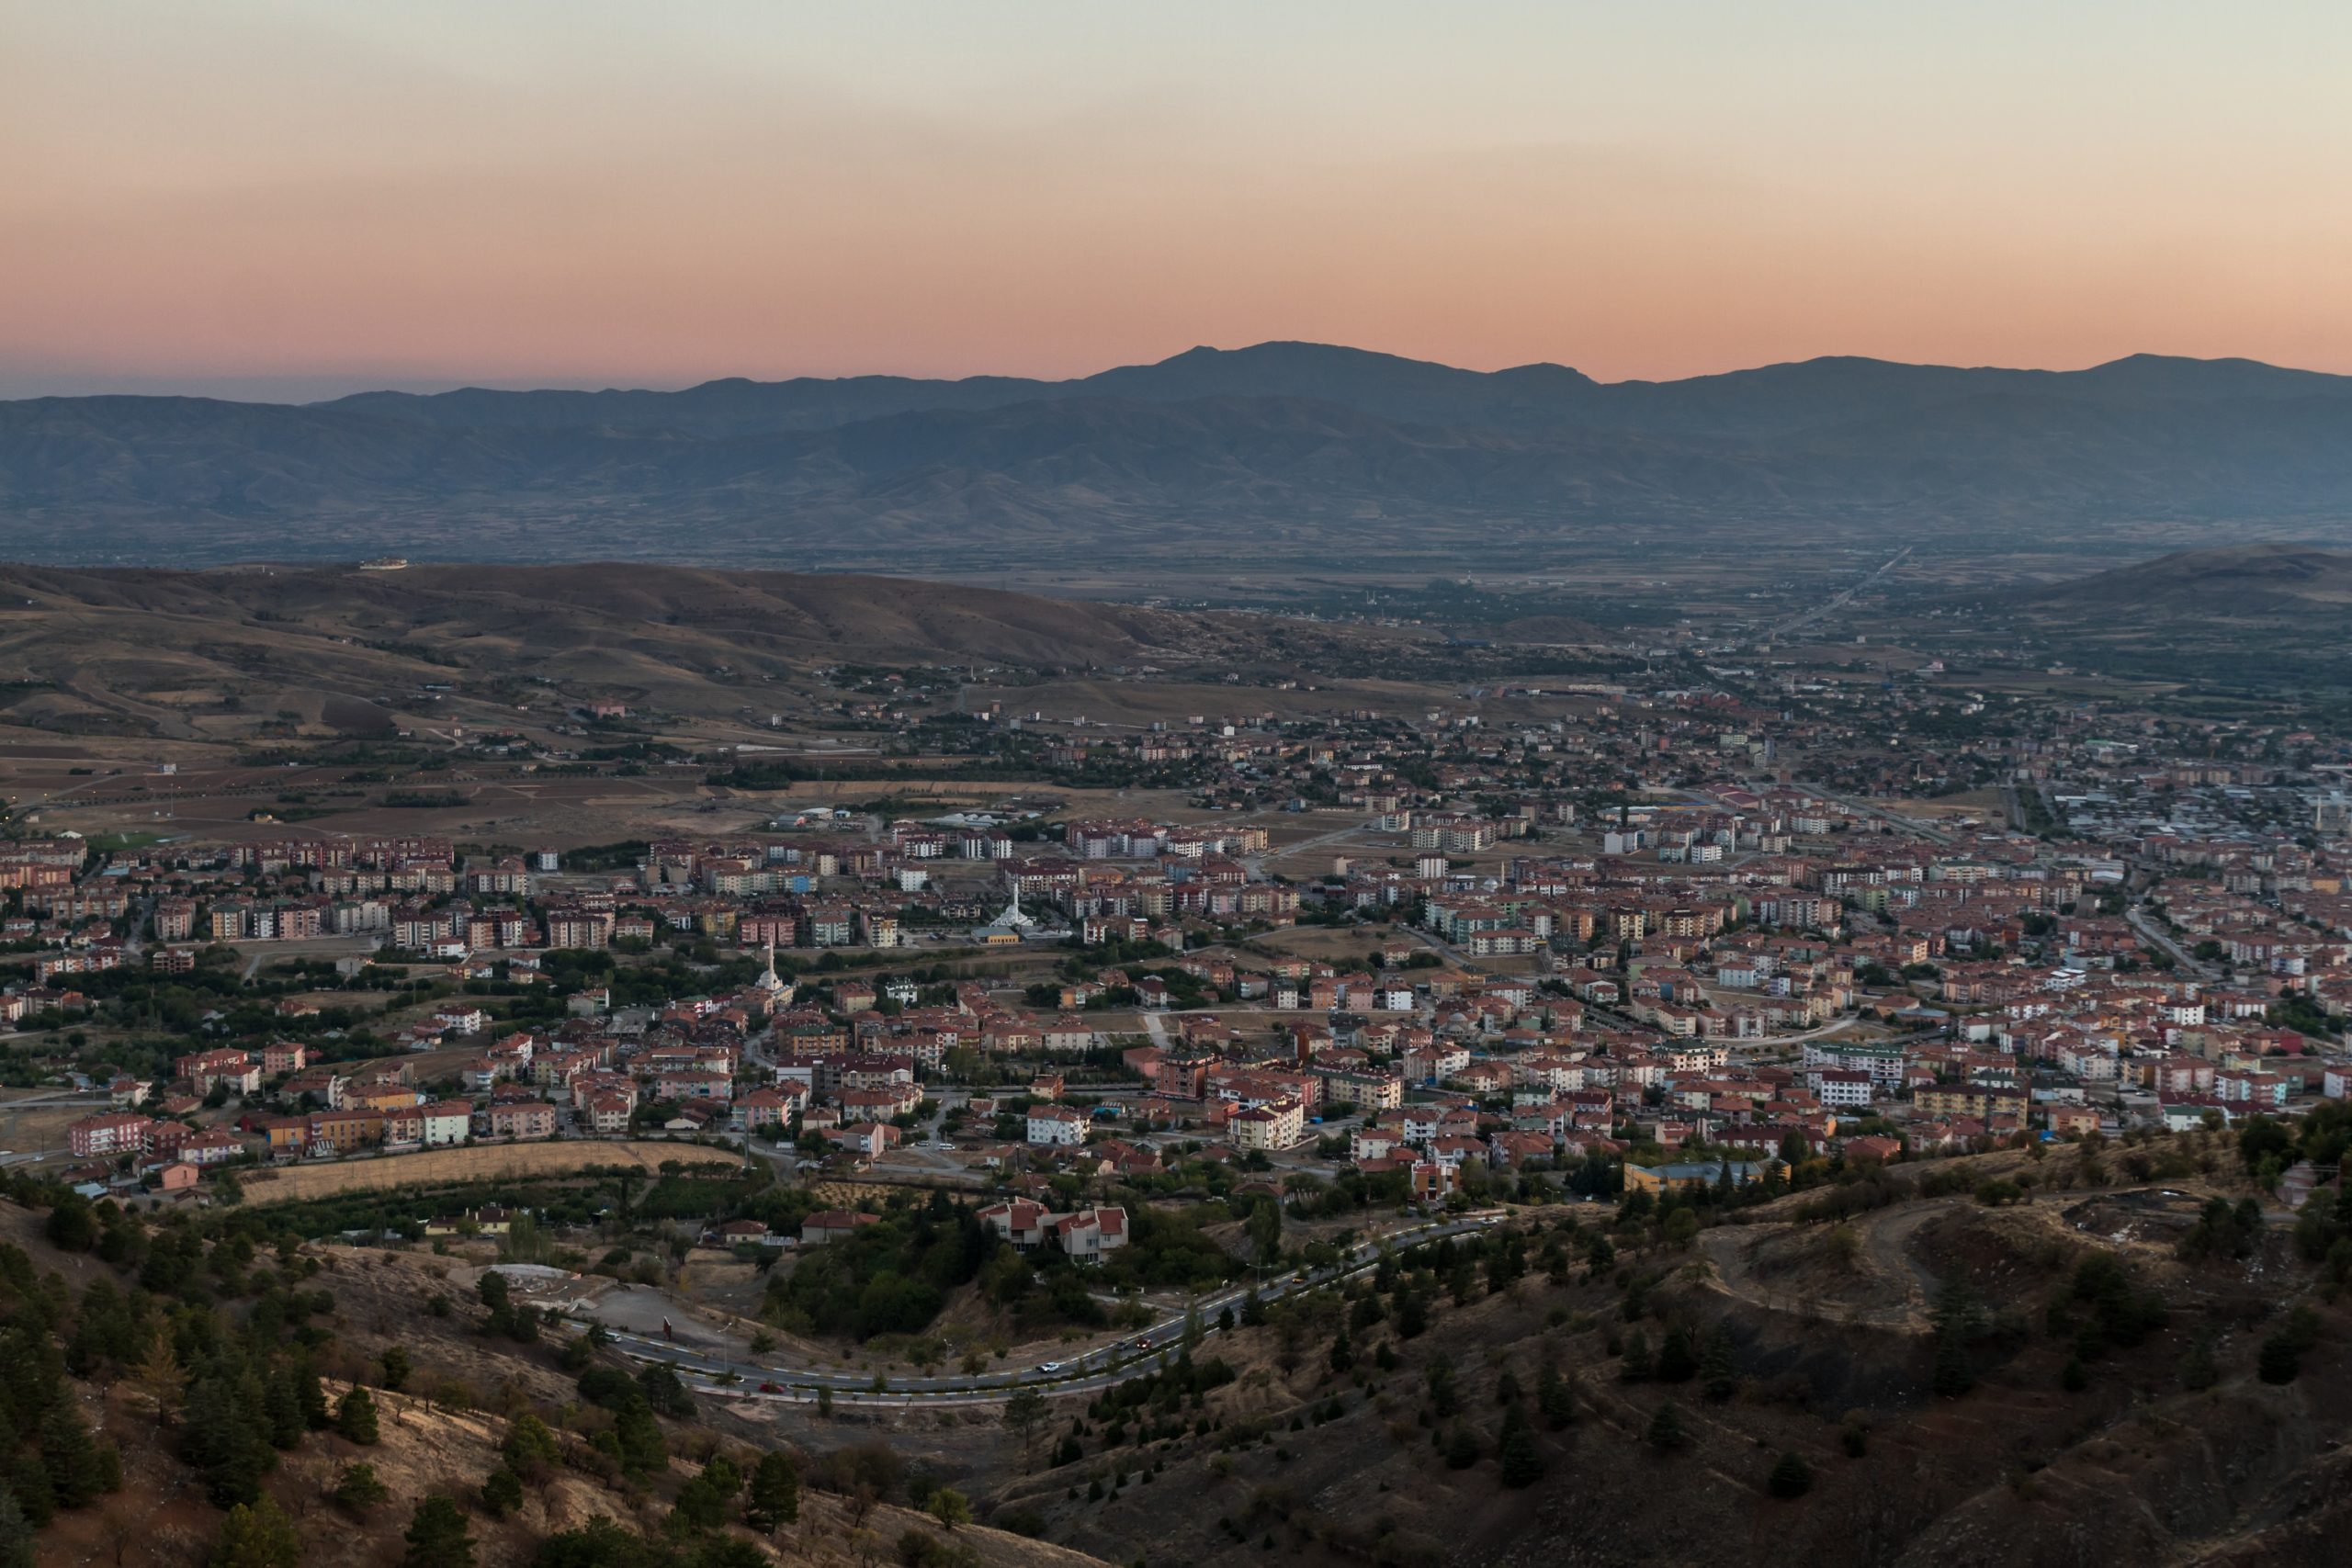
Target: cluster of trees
{"type": "Point", "coordinates": [1683, 1356]}
{"type": "Point", "coordinates": [895, 1277]}
{"type": "Point", "coordinates": [216, 1325]}
{"type": "Point", "coordinates": [888, 1277]}
{"type": "Point", "coordinates": [217, 1322]}
{"type": "Point", "coordinates": [2269, 1148]}
{"type": "Point", "coordinates": [2119, 1314]}
{"type": "Point", "coordinates": [51, 1458]}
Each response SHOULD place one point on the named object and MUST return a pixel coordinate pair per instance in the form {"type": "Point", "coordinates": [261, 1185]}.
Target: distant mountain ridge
{"type": "Point", "coordinates": [1772, 397]}
{"type": "Point", "coordinates": [1284, 454]}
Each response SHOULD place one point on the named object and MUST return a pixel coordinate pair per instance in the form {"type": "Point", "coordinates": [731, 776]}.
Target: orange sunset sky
{"type": "Point", "coordinates": [294, 199]}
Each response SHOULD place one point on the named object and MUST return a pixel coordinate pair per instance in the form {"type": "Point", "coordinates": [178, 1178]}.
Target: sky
{"type": "Point", "coordinates": [295, 198]}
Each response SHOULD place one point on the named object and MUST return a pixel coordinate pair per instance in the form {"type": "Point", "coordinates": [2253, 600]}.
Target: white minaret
{"type": "Point", "coordinates": [772, 983]}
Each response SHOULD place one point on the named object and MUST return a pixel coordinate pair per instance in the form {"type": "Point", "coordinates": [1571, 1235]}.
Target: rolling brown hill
{"type": "Point", "coordinates": [206, 655]}
{"type": "Point", "coordinates": [2236, 581]}
{"type": "Point", "coordinates": [554, 606]}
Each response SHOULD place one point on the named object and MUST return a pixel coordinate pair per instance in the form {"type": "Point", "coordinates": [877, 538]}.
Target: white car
{"type": "Point", "coordinates": [1049, 1365]}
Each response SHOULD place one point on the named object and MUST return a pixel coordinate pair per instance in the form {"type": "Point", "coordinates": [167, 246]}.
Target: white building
{"type": "Point", "coordinates": [1058, 1126]}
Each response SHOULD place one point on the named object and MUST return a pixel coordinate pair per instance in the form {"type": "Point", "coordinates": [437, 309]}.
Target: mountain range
{"type": "Point", "coordinates": [1282, 455]}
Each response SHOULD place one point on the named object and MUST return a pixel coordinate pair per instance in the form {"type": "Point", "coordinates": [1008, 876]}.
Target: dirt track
{"type": "Point", "coordinates": [1887, 1263]}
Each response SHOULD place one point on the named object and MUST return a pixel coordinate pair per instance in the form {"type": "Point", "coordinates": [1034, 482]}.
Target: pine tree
{"type": "Point", "coordinates": [1666, 1428]}
{"type": "Point", "coordinates": [436, 1537]}
{"type": "Point", "coordinates": [1634, 1365]}
{"type": "Point", "coordinates": [17, 1542]}
{"type": "Point", "coordinates": [158, 1373]}
{"type": "Point", "coordinates": [666, 1391]}
{"type": "Point", "coordinates": [1555, 1399]}
{"type": "Point", "coordinates": [359, 1488]}
{"type": "Point", "coordinates": [642, 1450]}
{"type": "Point", "coordinates": [1955, 1374]}
{"type": "Point", "coordinates": [258, 1535]}
{"type": "Point", "coordinates": [530, 1448]}
{"type": "Point", "coordinates": [355, 1415]}
{"type": "Point", "coordinates": [1522, 1462]}
{"type": "Point", "coordinates": [283, 1406]}
{"type": "Point", "coordinates": [700, 1506]}
{"type": "Point", "coordinates": [1343, 1356]}
{"type": "Point", "coordinates": [2074, 1377]}
{"type": "Point", "coordinates": [71, 1456]}
{"type": "Point", "coordinates": [28, 1479]}
{"type": "Point", "coordinates": [316, 1413]}
{"type": "Point", "coordinates": [222, 1443]}
{"type": "Point", "coordinates": [71, 1227]}
{"type": "Point", "coordinates": [1718, 1372]}
{"type": "Point", "coordinates": [501, 1492]}
{"type": "Point", "coordinates": [1675, 1362]}
{"type": "Point", "coordinates": [1790, 1478]}
{"type": "Point", "coordinates": [2279, 1361]}
{"type": "Point", "coordinates": [1460, 1450]}
{"type": "Point", "coordinates": [775, 1500]}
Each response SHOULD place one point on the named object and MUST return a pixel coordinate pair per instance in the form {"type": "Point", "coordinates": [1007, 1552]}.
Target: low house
{"type": "Point", "coordinates": [1020, 1222]}
{"type": "Point", "coordinates": [488, 1220]}
{"type": "Point", "coordinates": [1087, 1235]}
{"type": "Point", "coordinates": [833, 1225]}
{"type": "Point", "coordinates": [866, 1140]}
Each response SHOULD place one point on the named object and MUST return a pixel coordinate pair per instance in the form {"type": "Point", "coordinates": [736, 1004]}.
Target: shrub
{"type": "Point", "coordinates": [358, 1488]}
{"type": "Point", "coordinates": [1792, 1477]}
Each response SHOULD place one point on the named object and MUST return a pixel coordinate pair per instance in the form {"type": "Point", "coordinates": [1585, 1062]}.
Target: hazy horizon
{"type": "Point", "coordinates": [323, 388]}
{"type": "Point", "coordinates": [293, 198]}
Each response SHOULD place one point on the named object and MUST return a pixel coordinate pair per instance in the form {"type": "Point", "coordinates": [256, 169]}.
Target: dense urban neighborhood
{"type": "Point", "coordinates": [1457, 959]}
{"type": "Point", "coordinates": [965, 1094]}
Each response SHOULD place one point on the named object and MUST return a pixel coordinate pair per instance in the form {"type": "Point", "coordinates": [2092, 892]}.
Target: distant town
{"type": "Point", "coordinates": [1668, 937]}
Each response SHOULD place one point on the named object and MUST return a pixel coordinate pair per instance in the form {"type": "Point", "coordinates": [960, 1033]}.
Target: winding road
{"type": "Point", "coordinates": [1149, 1350]}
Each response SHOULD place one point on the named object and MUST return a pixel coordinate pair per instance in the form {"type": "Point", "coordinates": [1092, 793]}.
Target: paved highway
{"type": "Point", "coordinates": [1836, 602]}
{"type": "Point", "coordinates": [1146, 1351]}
